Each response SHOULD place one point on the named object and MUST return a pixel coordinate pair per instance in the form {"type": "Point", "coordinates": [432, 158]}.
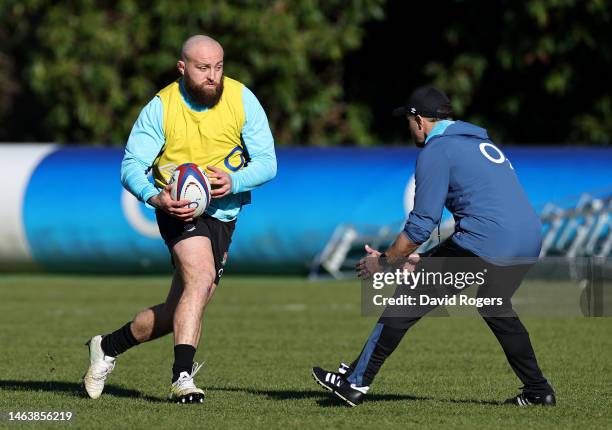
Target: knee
{"type": "Point", "coordinates": [200, 281]}
{"type": "Point", "coordinates": [491, 304]}
{"type": "Point", "coordinates": [203, 280]}
{"type": "Point", "coordinates": [496, 311]}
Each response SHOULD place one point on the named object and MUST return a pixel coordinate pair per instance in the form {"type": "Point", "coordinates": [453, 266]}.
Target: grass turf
{"type": "Point", "coordinates": [260, 338]}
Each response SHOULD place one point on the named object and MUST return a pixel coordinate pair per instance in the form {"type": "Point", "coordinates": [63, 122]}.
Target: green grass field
{"type": "Point", "coordinates": [260, 338]}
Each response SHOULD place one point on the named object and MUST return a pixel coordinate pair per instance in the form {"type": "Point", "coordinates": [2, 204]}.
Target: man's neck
{"type": "Point", "coordinates": [437, 128]}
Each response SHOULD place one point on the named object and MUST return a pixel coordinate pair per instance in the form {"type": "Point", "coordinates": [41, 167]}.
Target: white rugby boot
{"type": "Point", "coordinates": [100, 366]}
{"type": "Point", "coordinates": [183, 390]}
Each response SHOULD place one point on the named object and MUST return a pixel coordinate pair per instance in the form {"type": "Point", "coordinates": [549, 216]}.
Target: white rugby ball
{"type": "Point", "coordinates": [189, 182]}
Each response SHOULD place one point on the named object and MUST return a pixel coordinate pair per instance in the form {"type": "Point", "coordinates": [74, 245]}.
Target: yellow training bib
{"type": "Point", "coordinates": [207, 138]}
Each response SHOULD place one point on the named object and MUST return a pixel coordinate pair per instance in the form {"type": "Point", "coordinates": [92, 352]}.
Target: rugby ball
{"type": "Point", "coordinates": [189, 182]}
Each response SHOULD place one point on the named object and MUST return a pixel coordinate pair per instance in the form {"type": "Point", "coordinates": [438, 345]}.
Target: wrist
{"type": "Point", "coordinates": [154, 201]}
{"type": "Point", "coordinates": [383, 261]}
{"type": "Point", "coordinates": [233, 183]}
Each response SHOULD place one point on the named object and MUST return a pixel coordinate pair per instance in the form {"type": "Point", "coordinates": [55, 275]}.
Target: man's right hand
{"type": "Point", "coordinates": [411, 262]}
{"type": "Point", "coordinates": [176, 208]}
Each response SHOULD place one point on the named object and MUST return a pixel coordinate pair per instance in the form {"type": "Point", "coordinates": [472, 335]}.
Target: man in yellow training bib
{"type": "Point", "coordinates": [216, 122]}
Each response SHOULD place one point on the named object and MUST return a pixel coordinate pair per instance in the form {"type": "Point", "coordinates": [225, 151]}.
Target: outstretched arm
{"type": "Point", "coordinates": [432, 179]}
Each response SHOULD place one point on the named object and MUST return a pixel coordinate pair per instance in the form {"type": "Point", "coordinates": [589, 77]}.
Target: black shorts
{"type": "Point", "coordinates": [220, 234]}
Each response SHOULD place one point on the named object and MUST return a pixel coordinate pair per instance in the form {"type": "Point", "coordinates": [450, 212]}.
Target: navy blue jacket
{"type": "Point", "coordinates": [461, 168]}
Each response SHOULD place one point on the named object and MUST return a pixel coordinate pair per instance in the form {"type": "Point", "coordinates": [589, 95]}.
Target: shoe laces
{"type": "Point", "coordinates": [195, 369]}
{"type": "Point", "coordinates": [105, 369]}
{"type": "Point", "coordinates": [188, 380]}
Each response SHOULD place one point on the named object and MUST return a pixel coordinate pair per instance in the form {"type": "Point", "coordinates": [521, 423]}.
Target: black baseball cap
{"type": "Point", "coordinates": [429, 102]}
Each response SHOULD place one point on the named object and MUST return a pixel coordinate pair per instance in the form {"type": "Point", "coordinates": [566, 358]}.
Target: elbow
{"type": "Point", "coordinates": [123, 174]}
{"type": "Point", "coordinates": [125, 171]}
{"type": "Point", "coordinates": [269, 172]}
{"type": "Point", "coordinates": [272, 170]}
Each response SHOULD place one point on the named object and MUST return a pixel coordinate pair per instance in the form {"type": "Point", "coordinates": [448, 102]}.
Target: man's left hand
{"type": "Point", "coordinates": [220, 181]}
{"type": "Point", "coordinates": [369, 264]}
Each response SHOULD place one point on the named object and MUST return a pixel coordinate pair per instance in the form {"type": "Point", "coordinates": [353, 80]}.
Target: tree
{"type": "Point", "coordinates": [80, 71]}
{"type": "Point", "coordinates": [535, 71]}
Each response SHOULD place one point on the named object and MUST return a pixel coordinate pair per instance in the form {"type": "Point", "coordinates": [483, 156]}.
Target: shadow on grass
{"type": "Point", "coordinates": [326, 399]}
{"type": "Point", "coordinates": [73, 389]}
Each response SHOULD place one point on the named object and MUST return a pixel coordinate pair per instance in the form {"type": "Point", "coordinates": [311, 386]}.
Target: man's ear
{"type": "Point", "coordinates": [419, 121]}
{"type": "Point", "coordinates": [180, 65]}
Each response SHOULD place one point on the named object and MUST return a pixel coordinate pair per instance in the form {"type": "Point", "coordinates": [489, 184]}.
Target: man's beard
{"type": "Point", "coordinates": [203, 96]}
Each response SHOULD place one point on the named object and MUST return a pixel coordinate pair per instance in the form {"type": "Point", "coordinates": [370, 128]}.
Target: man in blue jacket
{"type": "Point", "coordinates": [496, 228]}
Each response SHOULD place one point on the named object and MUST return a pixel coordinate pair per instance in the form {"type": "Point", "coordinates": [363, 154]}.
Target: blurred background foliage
{"type": "Point", "coordinates": [328, 72]}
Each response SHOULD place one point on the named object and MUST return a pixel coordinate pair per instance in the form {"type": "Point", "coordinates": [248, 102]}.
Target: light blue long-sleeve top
{"type": "Point", "coordinates": [147, 140]}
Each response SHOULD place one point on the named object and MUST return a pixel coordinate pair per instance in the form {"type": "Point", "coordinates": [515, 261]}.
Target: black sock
{"type": "Point", "coordinates": [183, 360]}
{"type": "Point", "coordinates": [119, 341]}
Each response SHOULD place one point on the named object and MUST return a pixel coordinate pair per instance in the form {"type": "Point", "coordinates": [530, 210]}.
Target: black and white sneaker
{"type": "Point", "coordinates": [531, 399]}
{"type": "Point", "coordinates": [335, 382]}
